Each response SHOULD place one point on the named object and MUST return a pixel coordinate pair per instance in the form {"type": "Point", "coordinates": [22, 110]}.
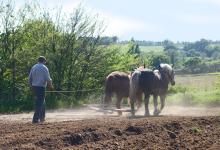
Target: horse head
{"type": "Point", "coordinates": [168, 72]}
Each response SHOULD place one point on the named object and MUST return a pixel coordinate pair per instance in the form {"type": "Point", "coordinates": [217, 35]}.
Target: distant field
{"type": "Point", "coordinates": [151, 48]}
{"type": "Point", "coordinates": [215, 45]}
{"type": "Point", "coordinates": [201, 89]}
{"type": "Point", "coordinates": [199, 81]}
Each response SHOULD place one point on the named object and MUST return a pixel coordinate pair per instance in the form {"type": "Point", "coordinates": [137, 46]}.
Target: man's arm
{"type": "Point", "coordinates": [49, 80]}
{"type": "Point", "coordinates": [50, 85]}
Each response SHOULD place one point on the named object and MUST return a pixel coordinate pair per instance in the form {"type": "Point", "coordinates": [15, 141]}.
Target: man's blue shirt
{"type": "Point", "coordinates": [39, 75]}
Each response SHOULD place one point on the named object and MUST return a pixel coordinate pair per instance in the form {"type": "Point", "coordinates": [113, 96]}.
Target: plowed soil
{"type": "Point", "coordinates": [112, 132]}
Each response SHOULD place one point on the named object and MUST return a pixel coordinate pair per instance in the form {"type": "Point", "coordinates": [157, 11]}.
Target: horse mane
{"type": "Point", "coordinates": [164, 70]}
{"type": "Point", "coordinates": [157, 74]}
{"type": "Point", "coordinates": [140, 68]}
{"type": "Point", "coordinates": [166, 67]}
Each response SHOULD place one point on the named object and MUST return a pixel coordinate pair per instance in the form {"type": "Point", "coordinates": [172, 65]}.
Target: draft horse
{"type": "Point", "coordinates": [153, 83]}
{"type": "Point", "coordinates": [117, 83]}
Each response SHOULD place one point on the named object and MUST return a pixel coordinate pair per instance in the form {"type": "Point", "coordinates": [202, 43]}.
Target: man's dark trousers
{"type": "Point", "coordinates": [39, 114]}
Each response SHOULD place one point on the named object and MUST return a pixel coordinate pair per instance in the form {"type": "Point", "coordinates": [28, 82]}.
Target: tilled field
{"type": "Point", "coordinates": [163, 132]}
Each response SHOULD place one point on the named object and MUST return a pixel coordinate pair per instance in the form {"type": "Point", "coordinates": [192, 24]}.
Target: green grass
{"type": "Point", "coordinates": [214, 73]}
{"type": "Point", "coordinates": [151, 48]}
{"type": "Point", "coordinates": [196, 90]}
{"type": "Point", "coordinates": [195, 130]}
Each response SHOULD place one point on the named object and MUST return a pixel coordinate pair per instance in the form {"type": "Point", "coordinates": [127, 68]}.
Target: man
{"type": "Point", "coordinates": [39, 78]}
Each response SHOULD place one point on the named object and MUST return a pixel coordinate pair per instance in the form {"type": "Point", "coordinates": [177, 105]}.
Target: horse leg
{"type": "Point", "coordinates": [132, 98]}
{"type": "Point", "coordinates": [132, 107]}
{"type": "Point", "coordinates": [146, 102]}
{"type": "Point", "coordinates": [156, 111]}
{"type": "Point", "coordinates": [118, 104]}
{"type": "Point", "coordinates": [162, 102]}
{"type": "Point", "coordinates": [107, 99]}
{"type": "Point", "coordinates": [139, 100]}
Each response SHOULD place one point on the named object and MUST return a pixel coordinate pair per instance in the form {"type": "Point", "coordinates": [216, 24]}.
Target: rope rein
{"type": "Point", "coordinates": [74, 91]}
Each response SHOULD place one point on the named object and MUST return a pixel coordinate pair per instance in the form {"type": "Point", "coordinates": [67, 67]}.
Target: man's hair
{"type": "Point", "coordinates": [41, 59]}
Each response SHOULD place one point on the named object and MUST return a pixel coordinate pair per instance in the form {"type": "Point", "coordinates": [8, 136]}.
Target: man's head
{"type": "Point", "coordinates": [42, 59]}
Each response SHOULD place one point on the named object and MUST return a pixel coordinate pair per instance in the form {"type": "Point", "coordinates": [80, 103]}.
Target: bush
{"type": "Point", "coordinates": [177, 89]}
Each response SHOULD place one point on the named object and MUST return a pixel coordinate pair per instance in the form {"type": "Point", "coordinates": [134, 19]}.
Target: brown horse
{"type": "Point", "coordinates": [117, 83]}
{"type": "Point", "coordinates": [151, 83]}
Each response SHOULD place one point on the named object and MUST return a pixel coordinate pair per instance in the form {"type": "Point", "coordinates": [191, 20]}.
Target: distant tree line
{"type": "Point", "coordinates": [162, 43]}
{"type": "Point", "coordinates": [202, 56]}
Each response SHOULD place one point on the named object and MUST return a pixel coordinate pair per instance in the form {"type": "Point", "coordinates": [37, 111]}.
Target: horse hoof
{"type": "Point", "coordinates": [156, 113]}
{"type": "Point", "coordinates": [146, 114]}
{"type": "Point", "coordinates": [132, 114]}
{"type": "Point", "coordinates": [119, 113]}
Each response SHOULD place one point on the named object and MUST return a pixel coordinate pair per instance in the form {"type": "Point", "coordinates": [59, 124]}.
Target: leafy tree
{"type": "Point", "coordinates": [133, 48]}
{"type": "Point", "coordinates": [171, 50]}
{"type": "Point", "coordinates": [199, 48]}
{"type": "Point", "coordinates": [76, 57]}
{"type": "Point", "coordinates": [106, 40]}
{"type": "Point", "coordinates": [201, 45]}
{"type": "Point", "coordinates": [192, 62]}
{"type": "Point", "coordinates": [155, 58]}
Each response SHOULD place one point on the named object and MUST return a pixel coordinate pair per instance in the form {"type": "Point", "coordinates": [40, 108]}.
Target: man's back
{"type": "Point", "coordinates": [39, 75]}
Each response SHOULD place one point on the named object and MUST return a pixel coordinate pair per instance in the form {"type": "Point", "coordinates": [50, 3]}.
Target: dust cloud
{"type": "Point", "coordinates": [174, 110]}
{"type": "Point", "coordinates": [95, 111]}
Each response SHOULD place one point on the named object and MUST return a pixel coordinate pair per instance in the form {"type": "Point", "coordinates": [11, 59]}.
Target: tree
{"type": "Point", "coordinates": [156, 58]}
{"type": "Point", "coordinates": [75, 55]}
{"type": "Point", "coordinates": [134, 48]}
{"type": "Point", "coordinates": [11, 42]}
{"type": "Point", "coordinates": [192, 62]}
{"type": "Point", "coordinates": [171, 50]}
{"type": "Point", "coordinates": [106, 40]}
{"type": "Point", "coordinates": [199, 48]}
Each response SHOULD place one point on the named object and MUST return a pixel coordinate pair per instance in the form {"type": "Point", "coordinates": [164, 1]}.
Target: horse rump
{"type": "Point", "coordinates": [117, 83]}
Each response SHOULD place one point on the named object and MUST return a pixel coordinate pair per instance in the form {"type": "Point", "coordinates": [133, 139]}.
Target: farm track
{"type": "Point", "coordinates": [111, 132]}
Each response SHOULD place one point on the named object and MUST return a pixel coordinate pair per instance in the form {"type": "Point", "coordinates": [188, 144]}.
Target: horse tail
{"type": "Point", "coordinates": [134, 85]}
{"type": "Point", "coordinates": [108, 90]}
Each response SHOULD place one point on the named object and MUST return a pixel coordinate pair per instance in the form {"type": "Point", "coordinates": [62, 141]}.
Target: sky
{"type": "Point", "coordinates": [154, 20]}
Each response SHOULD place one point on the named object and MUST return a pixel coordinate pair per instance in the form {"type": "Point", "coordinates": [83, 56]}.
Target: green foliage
{"type": "Point", "coordinates": [177, 89]}
{"type": "Point", "coordinates": [171, 51]}
{"type": "Point", "coordinates": [108, 40]}
{"type": "Point", "coordinates": [76, 56]}
{"type": "Point", "coordinates": [155, 58]}
{"type": "Point", "coordinates": [217, 85]}
{"type": "Point", "coordinates": [169, 45]}
{"type": "Point", "coordinates": [133, 48]}
{"type": "Point", "coordinates": [146, 49]}
{"type": "Point", "coordinates": [79, 58]}
{"type": "Point", "coordinates": [195, 90]}
{"type": "Point", "coordinates": [192, 62]}
{"type": "Point", "coordinates": [186, 56]}
{"type": "Point", "coordinates": [195, 130]}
